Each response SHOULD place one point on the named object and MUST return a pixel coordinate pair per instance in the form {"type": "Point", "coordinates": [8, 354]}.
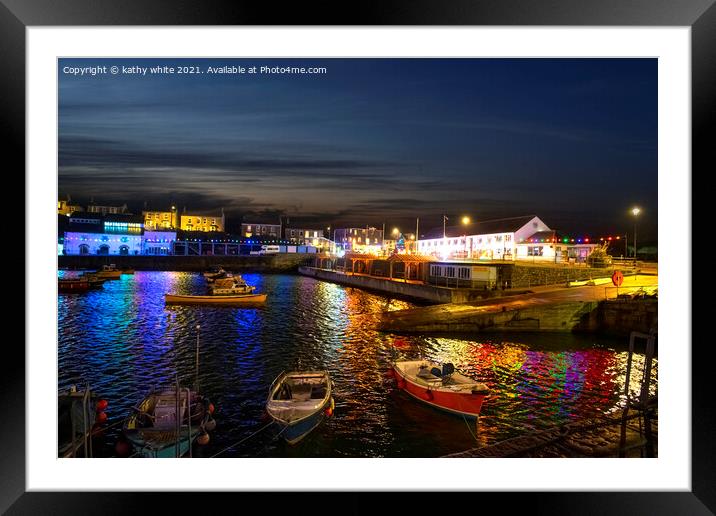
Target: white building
{"type": "Point", "coordinates": [487, 240]}
{"type": "Point", "coordinates": [514, 238]}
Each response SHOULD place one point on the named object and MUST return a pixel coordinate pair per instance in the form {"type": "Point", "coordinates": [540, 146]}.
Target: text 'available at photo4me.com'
{"type": "Point", "coordinates": [192, 69]}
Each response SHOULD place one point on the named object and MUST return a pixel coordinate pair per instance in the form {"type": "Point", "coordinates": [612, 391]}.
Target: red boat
{"type": "Point", "coordinates": [72, 285]}
{"type": "Point", "coordinates": [81, 284]}
{"type": "Point", "coordinates": [440, 386]}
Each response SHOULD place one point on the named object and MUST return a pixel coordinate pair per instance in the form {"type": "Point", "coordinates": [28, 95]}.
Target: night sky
{"type": "Point", "coordinates": [373, 141]}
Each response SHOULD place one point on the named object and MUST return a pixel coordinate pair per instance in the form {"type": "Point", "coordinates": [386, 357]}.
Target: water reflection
{"type": "Point", "coordinates": [124, 340]}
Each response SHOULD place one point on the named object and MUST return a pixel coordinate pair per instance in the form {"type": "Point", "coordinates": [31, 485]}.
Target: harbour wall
{"type": "Point", "coordinates": [419, 291]}
{"type": "Point", "coordinates": [527, 275]}
{"type": "Point", "coordinates": [280, 262]}
{"type": "Point", "coordinates": [613, 317]}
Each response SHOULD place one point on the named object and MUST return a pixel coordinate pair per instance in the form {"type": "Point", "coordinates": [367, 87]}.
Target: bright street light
{"type": "Point", "coordinates": [466, 220]}
{"type": "Point", "coordinates": [635, 211]}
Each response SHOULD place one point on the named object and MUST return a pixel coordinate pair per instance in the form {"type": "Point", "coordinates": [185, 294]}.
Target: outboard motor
{"type": "Point", "coordinates": [448, 369]}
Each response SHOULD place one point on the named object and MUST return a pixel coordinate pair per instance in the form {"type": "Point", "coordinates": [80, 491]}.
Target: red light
{"type": "Point", "coordinates": [586, 240]}
{"type": "Point", "coordinates": [609, 238]}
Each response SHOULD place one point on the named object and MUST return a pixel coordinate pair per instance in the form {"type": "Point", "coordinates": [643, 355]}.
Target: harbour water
{"type": "Point", "coordinates": [123, 340]}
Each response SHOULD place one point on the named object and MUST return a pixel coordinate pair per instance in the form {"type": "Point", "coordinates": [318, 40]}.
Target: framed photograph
{"type": "Point", "coordinates": [413, 251]}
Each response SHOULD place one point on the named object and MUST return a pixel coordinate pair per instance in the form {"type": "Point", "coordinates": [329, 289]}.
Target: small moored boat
{"type": "Point", "coordinates": [178, 299]}
{"type": "Point", "coordinates": [109, 272]}
{"type": "Point", "coordinates": [72, 285]}
{"type": "Point", "coordinates": [78, 413]}
{"type": "Point", "coordinates": [128, 271]}
{"type": "Point", "coordinates": [215, 272]}
{"type": "Point", "coordinates": [440, 386]}
{"type": "Point", "coordinates": [298, 401]}
{"type": "Point", "coordinates": [155, 431]}
{"type": "Point", "coordinates": [230, 285]}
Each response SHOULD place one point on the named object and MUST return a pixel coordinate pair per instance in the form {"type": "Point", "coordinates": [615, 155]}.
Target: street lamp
{"type": "Point", "coordinates": [465, 222]}
{"type": "Point", "coordinates": [635, 211]}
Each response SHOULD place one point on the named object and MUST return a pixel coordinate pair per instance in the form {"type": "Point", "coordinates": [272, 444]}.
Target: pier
{"type": "Point", "coordinates": [597, 308]}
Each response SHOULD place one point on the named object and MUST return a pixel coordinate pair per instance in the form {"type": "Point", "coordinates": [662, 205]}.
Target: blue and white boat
{"type": "Point", "coordinates": [165, 424]}
{"type": "Point", "coordinates": [298, 402]}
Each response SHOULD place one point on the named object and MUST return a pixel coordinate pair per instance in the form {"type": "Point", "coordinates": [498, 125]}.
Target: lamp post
{"type": "Point", "coordinates": [635, 211]}
{"type": "Point", "coordinates": [465, 222]}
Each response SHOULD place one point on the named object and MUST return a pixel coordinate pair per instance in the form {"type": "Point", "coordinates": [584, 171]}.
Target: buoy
{"type": "Point", "coordinates": [101, 405]}
{"type": "Point", "coordinates": [211, 408]}
{"type": "Point", "coordinates": [122, 448]}
{"type": "Point", "coordinates": [329, 410]}
{"type": "Point", "coordinates": [101, 417]}
{"type": "Point", "coordinates": [203, 439]}
{"type": "Point", "coordinates": [210, 425]}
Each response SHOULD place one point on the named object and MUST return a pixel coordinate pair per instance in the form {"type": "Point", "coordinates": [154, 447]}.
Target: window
{"type": "Point", "coordinates": [534, 251]}
{"type": "Point", "coordinates": [450, 272]}
{"type": "Point", "coordinates": [463, 272]}
{"type": "Point", "coordinates": [435, 270]}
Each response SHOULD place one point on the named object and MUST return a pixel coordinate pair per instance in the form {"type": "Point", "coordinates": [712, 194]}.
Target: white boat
{"type": "Point", "coordinates": [108, 272]}
{"type": "Point", "coordinates": [233, 284]}
{"type": "Point", "coordinates": [215, 272]}
{"type": "Point", "coordinates": [298, 401]}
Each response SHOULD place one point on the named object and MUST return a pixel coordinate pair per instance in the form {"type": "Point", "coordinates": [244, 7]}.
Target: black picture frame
{"type": "Point", "coordinates": [699, 15]}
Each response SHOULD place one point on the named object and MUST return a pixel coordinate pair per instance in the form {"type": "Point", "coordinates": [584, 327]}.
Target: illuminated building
{"type": "Point", "coordinates": [203, 222]}
{"type": "Point", "coordinates": [104, 210]}
{"type": "Point", "coordinates": [158, 242]}
{"type": "Point", "coordinates": [313, 237]}
{"type": "Point", "coordinates": [552, 247]}
{"type": "Point", "coordinates": [160, 220]}
{"type": "Point", "coordinates": [488, 240]}
{"type": "Point", "coordinates": [515, 238]}
{"type": "Point", "coordinates": [66, 208]}
{"type": "Point", "coordinates": [359, 240]}
{"type": "Point", "coordinates": [254, 230]}
{"type": "Point", "coordinates": [111, 234]}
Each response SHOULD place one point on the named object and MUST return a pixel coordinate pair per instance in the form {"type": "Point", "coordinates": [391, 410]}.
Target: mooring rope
{"type": "Point", "coordinates": [244, 439]}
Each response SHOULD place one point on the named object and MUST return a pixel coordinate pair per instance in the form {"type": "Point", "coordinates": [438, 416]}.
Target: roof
{"type": "Point", "coordinates": [406, 258]}
{"type": "Point", "coordinates": [85, 215]}
{"type": "Point", "coordinates": [208, 213]}
{"type": "Point", "coordinates": [362, 256]}
{"type": "Point", "coordinates": [484, 227]}
{"type": "Point", "coordinates": [547, 236]}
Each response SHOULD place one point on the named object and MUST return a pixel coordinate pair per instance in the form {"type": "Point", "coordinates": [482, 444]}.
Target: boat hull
{"type": "Point", "coordinates": [66, 286]}
{"type": "Point", "coordinates": [467, 404]}
{"type": "Point", "coordinates": [214, 300]}
{"type": "Point", "coordinates": [109, 274]}
{"type": "Point", "coordinates": [294, 433]}
{"type": "Point", "coordinates": [298, 402]}
{"type": "Point", "coordinates": [147, 444]}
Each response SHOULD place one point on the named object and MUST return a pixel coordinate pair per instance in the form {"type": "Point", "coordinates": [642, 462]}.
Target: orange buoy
{"type": "Point", "coordinates": [122, 448]}
{"type": "Point", "coordinates": [101, 405]}
{"type": "Point", "coordinates": [329, 410]}
{"type": "Point", "coordinates": [101, 417]}
{"type": "Point", "coordinates": [203, 439]}
{"type": "Point", "coordinates": [211, 408]}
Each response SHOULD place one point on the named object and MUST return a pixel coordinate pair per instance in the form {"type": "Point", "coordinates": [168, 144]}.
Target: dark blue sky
{"type": "Point", "coordinates": [371, 141]}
